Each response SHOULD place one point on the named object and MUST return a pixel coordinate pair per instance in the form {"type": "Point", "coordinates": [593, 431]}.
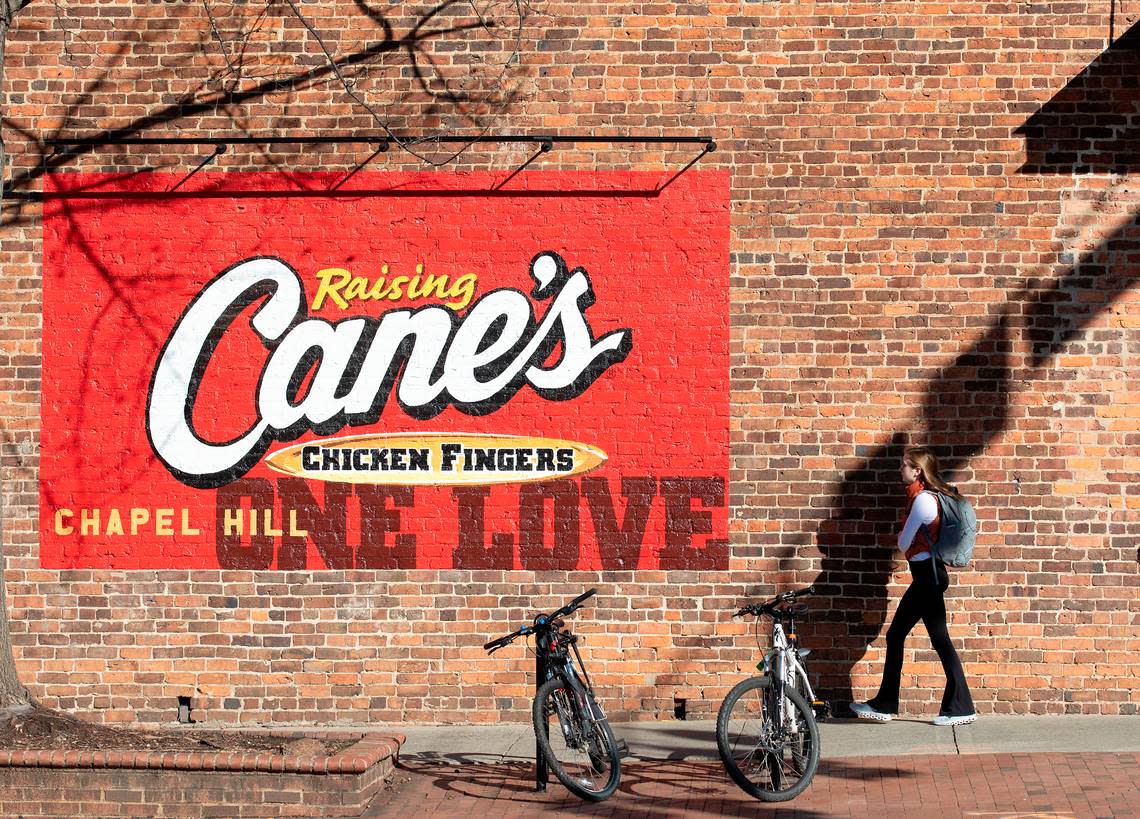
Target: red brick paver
{"type": "Point", "coordinates": [984, 786]}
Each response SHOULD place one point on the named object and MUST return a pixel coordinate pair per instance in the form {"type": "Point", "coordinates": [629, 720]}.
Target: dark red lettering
{"type": "Point", "coordinates": [327, 528]}
{"type": "Point", "coordinates": [564, 550]}
{"type": "Point", "coordinates": [234, 552]}
{"type": "Point", "coordinates": [379, 516]}
{"type": "Point", "coordinates": [682, 522]}
{"type": "Point", "coordinates": [472, 551]}
{"type": "Point", "coordinates": [620, 547]}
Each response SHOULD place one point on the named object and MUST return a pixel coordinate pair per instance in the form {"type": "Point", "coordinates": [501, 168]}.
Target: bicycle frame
{"type": "Point", "coordinates": [783, 663]}
{"type": "Point", "coordinates": [586, 729]}
{"type": "Point", "coordinates": [777, 712]}
{"type": "Point", "coordinates": [557, 660]}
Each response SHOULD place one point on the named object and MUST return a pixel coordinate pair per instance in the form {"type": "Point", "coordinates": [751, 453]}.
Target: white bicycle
{"type": "Point", "coordinates": [766, 730]}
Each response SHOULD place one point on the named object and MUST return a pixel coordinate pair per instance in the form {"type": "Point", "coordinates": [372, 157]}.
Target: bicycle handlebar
{"type": "Point", "coordinates": [573, 605]}
{"type": "Point", "coordinates": [541, 621]}
{"type": "Point", "coordinates": [780, 599]}
{"type": "Point", "coordinates": [495, 645]}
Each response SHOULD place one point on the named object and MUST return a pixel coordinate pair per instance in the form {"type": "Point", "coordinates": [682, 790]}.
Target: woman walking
{"type": "Point", "coordinates": [923, 599]}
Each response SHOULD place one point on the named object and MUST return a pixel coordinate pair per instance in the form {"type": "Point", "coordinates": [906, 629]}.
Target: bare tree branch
{"type": "Point", "coordinates": [188, 106]}
{"type": "Point", "coordinates": [411, 42]}
{"type": "Point", "coordinates": [234, 72]}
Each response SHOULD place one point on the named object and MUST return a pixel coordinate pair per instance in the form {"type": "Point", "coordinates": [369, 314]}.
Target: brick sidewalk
{"type": "Point", "coordinates": [986, 786]}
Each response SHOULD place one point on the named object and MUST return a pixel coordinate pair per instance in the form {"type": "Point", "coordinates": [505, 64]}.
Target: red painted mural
{"type": "Point", "coordinates": [270, 371]}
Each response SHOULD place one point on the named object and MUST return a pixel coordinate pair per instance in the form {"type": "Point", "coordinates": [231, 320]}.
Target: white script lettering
{"type": "Point", "coordinates": [428, 358]}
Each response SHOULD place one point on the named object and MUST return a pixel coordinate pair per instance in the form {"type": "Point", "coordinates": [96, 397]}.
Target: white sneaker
{"type": "Point", "coordinates": [946, 719]}
{"type": "Point", "coordinates": [864, 711]}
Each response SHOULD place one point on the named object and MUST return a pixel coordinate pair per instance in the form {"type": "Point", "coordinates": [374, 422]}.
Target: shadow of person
{"type": "Point", "coordinates": [1092, 125]}
{"type": "Point", "coordinates": [851, 588]}
{"type": "Point", "coordinates": [966, 406]}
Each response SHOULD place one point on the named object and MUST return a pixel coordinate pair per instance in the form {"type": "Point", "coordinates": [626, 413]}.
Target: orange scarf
{"type": "Point", "coordinates": [926, 536]}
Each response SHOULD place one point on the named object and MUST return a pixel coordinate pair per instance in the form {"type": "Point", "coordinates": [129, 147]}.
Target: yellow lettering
{"type": "Point", "coordinates": [357, 289]}
{"type": "Point", "coordinates": [341, 287]}
{"type": "Point", "coordinates": [115, 523]}
{"type": "Point", "coordinates": [376, 292]}
{"type": "Point", "coordinates": [267, 526]}
{"type": "Point", "coordinates": [396, 291]}
{"type": "Point", "coordinates": [187, 529]}
{"type": "Point", "coordinates": [430, 282]}
{"type": "Point", "coordinates": [89, 522]}
{"type": "Point", "coordinates": [232, 522]}
{"type": "Point", "coordinates": [60, 527]}
{"type": "Point", "coordinates": [293, 530]}
{"type": "Point", "coordinates": [463, 289]}
{"type": "Point", "coordinates": [331, 288]}
{"type": "Point", "coordinates": [138, 518]}
{"type": "Point", "coordinates": [164, 522]}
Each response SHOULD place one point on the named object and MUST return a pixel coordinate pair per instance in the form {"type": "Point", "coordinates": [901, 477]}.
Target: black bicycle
{"type": "Point", "coordinates": [766, 730]}
{"type": "Point", "coordinates": [580, 747]}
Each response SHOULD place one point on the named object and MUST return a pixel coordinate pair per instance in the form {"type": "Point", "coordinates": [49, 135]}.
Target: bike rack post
{"type": "Point", "coordinates": [541, 774]}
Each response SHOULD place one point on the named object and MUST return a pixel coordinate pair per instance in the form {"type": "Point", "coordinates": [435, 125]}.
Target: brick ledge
{"type": "Point", "coordinates": [369, 750]}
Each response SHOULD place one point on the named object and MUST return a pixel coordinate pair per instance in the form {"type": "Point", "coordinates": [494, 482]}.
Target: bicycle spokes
{"type": "Point", "coordinates": [770, 754]}
{"type": "Point", "coordinates": [580, 747]}
{"type": "Point", "coordinates": [573, 736]}
{"type": "Point", "coordinates": [769, 750]}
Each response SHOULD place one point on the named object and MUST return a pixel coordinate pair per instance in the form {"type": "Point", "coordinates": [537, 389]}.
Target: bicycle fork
{"type": "Point", "coordinates": [783, 666]}
{"type": "Point", "coordinates": [783, 677]}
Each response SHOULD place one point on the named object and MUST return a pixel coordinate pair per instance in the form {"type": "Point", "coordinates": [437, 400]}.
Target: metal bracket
{"type": "Point", "coordinates": [72, 147]}
{"type": "Point", "coordinates": [382, 148]}
{"type": "Point", "coordinates": [219, 149]}
{"type": "Point", "coordinates": [544, 146]}
{"type": "Point", "coordinates": [708, 148]}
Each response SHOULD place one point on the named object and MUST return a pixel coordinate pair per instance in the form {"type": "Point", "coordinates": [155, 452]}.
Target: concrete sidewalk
{"type": "Point", "coordinates": [841, 738]}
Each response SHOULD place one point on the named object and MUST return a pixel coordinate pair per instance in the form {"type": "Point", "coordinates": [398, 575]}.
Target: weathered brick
{"type": "Point", "coordinates": [930, 243]}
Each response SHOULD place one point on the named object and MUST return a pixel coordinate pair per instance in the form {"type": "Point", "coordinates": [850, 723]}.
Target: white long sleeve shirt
{"type": "Point", "coordinates": [924, 510]}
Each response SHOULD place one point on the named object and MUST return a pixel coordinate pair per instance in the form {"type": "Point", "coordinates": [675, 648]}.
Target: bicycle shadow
{"type": "Point", "coordinates": [654, 789]}
{"type": "Point", "coordinates": [698, 743]}
{"type": "Point", "coordinates": [1089, 126]}
{"type": "Point", "coordinates": [649, 788]}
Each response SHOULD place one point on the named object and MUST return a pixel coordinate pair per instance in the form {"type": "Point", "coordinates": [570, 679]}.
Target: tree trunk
{"type": "Point", "coordinates": [14, 698]}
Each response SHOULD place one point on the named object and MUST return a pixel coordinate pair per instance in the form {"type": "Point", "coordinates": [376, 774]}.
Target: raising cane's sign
{"type": "Point", "coordinates": [261, 371]}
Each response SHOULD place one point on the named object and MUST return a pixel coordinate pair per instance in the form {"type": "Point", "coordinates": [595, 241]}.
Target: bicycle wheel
{"type": "Point", "coordinates": [579, 749]}
{"type": "Point", "coordinates": [767, 761]}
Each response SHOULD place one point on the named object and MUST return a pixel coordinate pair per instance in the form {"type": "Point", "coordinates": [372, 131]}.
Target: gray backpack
{"type": "Point", "coordinates": [958, 530]}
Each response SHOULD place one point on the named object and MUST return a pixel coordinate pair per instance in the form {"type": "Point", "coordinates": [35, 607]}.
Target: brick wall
{"type": "Point", "coordinates": [195, 784]}
{"type": "Point", "coordinates": [934, 240]}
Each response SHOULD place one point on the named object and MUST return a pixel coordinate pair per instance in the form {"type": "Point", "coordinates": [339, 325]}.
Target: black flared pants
{"type": "Point", "coordinates": [924, 601]}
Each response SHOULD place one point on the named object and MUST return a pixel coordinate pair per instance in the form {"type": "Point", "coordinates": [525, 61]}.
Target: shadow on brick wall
{"type": "Point", "coordinates": [229, 89]}
{"type": "Point", "coordinates": [1091, 126]}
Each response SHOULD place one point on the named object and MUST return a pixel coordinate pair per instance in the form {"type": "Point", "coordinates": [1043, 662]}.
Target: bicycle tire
{"type": "Point", "coordinates": [573, 750]}
{"type": "Point", "coordinates": [767, 781]}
